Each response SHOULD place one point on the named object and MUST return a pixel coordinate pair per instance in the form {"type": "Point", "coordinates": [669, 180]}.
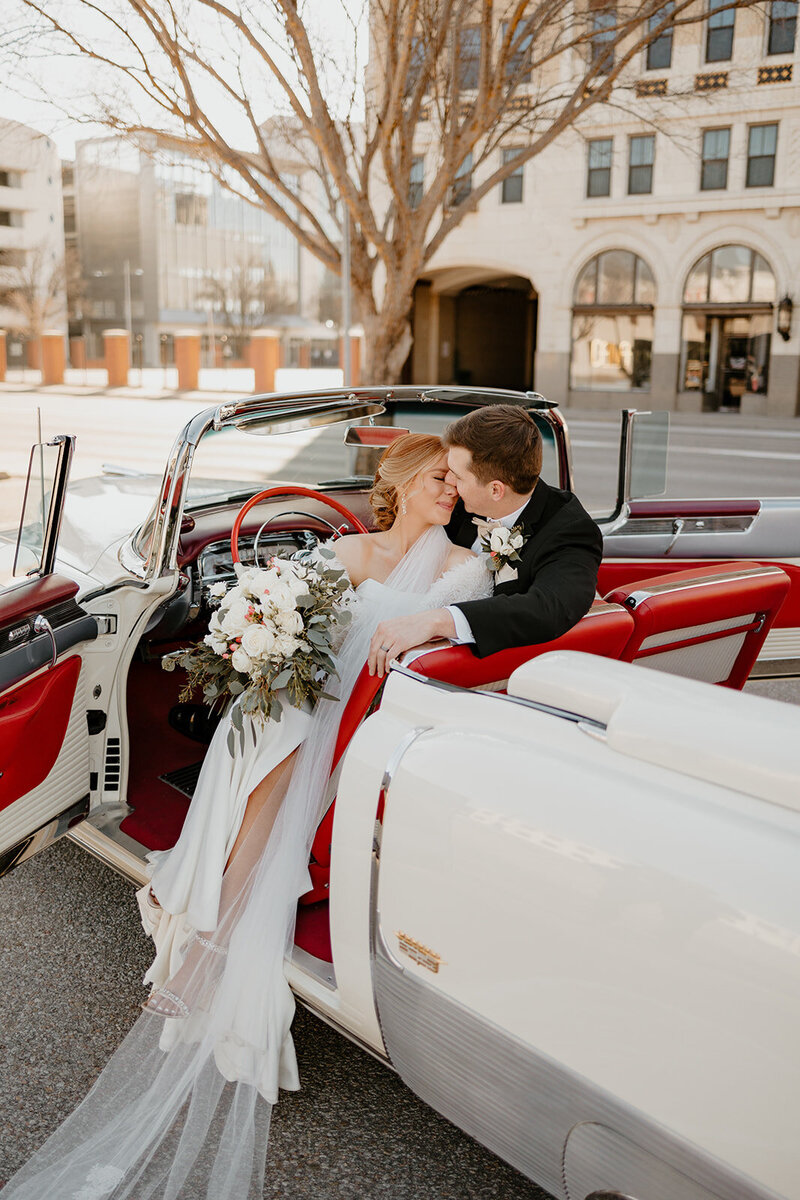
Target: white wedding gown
{"type": "Point", "coordinates": [182, 1109]}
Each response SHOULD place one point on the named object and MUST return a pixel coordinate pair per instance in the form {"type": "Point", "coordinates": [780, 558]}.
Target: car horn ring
{"type": "Point", "coordinates": [294, 512]}
{"type": "Point", "coordinates": [293, 490]}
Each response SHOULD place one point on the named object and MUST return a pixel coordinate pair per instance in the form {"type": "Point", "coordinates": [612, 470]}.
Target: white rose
{"type": "Point", "coordinates": [282, 599]}
{"type": "Point", "coordinates": [296, 583]}
{"type": "Point", "coordinates": [515, 541]}
{"type": "Point", "coordinates": [289, 621]}
{"type": "Point", "coordinates": [286, 645]}
{"type": "Point", "coordinates": [241, 661]}
{"type": "Point", "coordinates": [234, 618]}
{"type": "Point", "coordinates": [218, 590]}
{"type": "Point", "coordinates": [215, 624]}
{"type": "Point", "coordinates": [263, 581]}
{"type": "Point", "coordinates": [258, 641]}
{"type": "Point", "coordinates": [218, 646]}
{"type": "Point", "coordinates": [497, 540]}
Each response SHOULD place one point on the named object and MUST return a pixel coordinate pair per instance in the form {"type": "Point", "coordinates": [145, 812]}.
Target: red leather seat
{"type": "Point", "coordinates": [606, 629]}
{"type": "Point", "coordinates": [705, 623]}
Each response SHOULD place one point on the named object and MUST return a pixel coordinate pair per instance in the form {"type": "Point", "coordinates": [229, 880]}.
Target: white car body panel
{"type": "Point", "coordinates": [577, 897]}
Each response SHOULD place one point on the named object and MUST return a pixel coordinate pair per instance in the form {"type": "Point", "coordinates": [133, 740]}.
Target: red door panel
{"type": "Point", "coordinates": [615, 574]}
{"type": "Point", "coordinates": [33, 721]}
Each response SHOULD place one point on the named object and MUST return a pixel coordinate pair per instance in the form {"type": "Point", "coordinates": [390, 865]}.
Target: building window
{"type": "Point", "coordinates": [190, 209]}
{"type": "Point", "coordinates": [10, 217]}
{"type": "Point", "coordinates": [719, 35]}
{"type": "Point", "coordinates": [598, 182]}
{"type": "Point", "coordinates": [642, 149]}
{"type": "Point", "coordinates": [416, 181]}
{"type": "Point", "coordinates": [762, 141]}
{"type": "Point", "coordinates": [716, 148]}
{"type": "Point", "coordinates": [604, 34]}
{"type": "Point", "coordinates": [728, 302]}
{"type": "Point", "coordinates": [462, 183]}
{"type": "Point", "coordinates": [518, 67]}
{"type": "Point", "coordinates": [416, 65]}
{"type": "Point", "coordinates": [782, 26]}
{"type": "Point", "coordinates": [469, 57]}
{"type": "Point", "coordinates": [11, 179]}
{"type": "Point", "coordinates": [612, 324]}
{"type": "Point", "coordinates": [659, 51]}
{"type": "Point", "coordinates": [512, 186]}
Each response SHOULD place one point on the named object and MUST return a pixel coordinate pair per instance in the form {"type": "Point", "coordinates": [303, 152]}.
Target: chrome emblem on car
{"type": "Point", "coordinates": [420, 954]}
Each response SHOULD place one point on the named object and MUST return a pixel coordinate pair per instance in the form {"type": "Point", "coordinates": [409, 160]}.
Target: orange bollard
{"type": "Point", "coordinates": [265, 358]}
{"type": "Point", "coordinates": [117, 356]}
{"type": "Point", "coordinates": [187, 359]}
{"type": "Point", "coordinates": [77, 352]}
{"type": "Point", "coordinates": [53, 357]}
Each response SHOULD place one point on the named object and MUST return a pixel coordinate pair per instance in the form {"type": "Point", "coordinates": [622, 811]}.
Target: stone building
{"type": "Point", "coordinates": [651, 255]}
{"type": "Point", "coordinates": [31, 239]}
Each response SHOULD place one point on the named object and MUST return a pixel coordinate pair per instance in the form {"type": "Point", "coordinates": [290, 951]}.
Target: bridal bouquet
{"type": "Point", "coordinates": [272, 631]}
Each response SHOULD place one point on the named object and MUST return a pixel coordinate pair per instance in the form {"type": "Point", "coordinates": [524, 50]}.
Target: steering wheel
{"type": "Point", "coordinates": [294, 490]}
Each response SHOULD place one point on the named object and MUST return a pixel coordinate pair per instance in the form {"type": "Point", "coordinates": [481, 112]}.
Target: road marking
{"type": "Point", "coordinates": [708, 451]}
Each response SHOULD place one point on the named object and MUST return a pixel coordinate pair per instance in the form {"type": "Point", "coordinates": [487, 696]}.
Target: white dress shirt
{"type": "Point", "coordinates": [463, 631]}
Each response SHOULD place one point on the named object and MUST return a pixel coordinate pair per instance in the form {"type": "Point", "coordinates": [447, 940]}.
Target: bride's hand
{"type": "Point", "coordinates": [392, 637]}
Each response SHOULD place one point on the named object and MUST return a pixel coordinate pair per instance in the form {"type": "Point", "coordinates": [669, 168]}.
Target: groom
{"type": "Point", "coordinates": [545, 547]}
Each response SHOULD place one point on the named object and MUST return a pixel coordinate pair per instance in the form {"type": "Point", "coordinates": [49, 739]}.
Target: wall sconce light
{"type": "Point", "coordinates": [785, 317]}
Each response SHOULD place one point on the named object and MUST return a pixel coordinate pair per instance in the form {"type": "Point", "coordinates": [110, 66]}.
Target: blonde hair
{"type": "Point", "coordinates": [399, 463]}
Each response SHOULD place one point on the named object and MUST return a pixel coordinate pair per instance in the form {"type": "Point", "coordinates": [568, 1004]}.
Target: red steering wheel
{"type": "Point", "coordinates": [295, 490]}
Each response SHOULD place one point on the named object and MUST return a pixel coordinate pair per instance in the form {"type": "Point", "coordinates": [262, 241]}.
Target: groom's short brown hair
{"type": "Point", "coordinates": [505, 444]}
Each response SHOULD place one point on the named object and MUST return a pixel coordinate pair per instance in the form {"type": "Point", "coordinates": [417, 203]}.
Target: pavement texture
{"type": "Point", "coordinates": [72, 957]}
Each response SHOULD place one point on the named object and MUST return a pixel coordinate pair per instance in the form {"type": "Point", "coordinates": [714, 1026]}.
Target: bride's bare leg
{"type": "Point", "coordinates": [195, 975]}
{"type": "Point", "coordinates": [263, 804]}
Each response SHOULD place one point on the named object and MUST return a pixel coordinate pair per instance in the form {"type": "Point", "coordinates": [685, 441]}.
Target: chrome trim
{"type": "Point", "coordinates": [677, 530]}
{"type": "Point", "coordinates": [42, 625]}
{"type": "Point", "coordinates": [323, 972]}
{"type": "Point", "coordinates": [549, 709]}
{"type": "Point", "coordinates": [44, 836]}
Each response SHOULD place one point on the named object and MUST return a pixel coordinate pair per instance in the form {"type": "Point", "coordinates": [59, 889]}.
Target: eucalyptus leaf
{"type": "Point", "coordinates": [281, 680]}
{"type": "Point", "coordinates": [326, 552]}
{"type": "Point", "coordinates": [237, 720]}
{"type": "Point", "coordinates": [231, 743]}
{"type": "Point", "coordinates": [235, 687]}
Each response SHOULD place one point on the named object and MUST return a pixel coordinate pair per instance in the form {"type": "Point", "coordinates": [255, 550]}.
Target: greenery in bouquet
{"type": "Point", "coordinates": [273, 631]}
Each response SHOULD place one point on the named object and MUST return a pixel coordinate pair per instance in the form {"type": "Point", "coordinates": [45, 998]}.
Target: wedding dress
{"type": "Point", "coordinates": [182, 1109]}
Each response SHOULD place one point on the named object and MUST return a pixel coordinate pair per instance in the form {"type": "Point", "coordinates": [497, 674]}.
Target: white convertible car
{"type": "Point", "coordinates": [556, 889]}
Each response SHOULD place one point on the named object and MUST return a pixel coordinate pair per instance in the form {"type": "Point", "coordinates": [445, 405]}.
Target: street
{"type": "Point", "coordinates": [73, 952]}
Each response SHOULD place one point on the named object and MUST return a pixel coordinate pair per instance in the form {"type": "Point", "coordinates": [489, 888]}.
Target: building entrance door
{"type": "Point", "coordinates": [736, 355]}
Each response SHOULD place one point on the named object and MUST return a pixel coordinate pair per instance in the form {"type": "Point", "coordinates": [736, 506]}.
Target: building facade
{"type": "Point", "coordinates": [164, 247]}
{"type": "Point", "coordinates": [650, 256]}
{"type": "Point", "coordinates": [31, 240]}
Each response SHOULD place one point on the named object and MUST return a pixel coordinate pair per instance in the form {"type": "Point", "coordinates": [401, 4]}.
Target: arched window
{"type": "Point", "coordinates": [612, 324]}
{"type": "Point", "coordinates": [728, 303]}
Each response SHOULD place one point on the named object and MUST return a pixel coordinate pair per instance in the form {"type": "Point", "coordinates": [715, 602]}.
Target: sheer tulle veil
{"type": "Point", "coordinates": [183, 1107]}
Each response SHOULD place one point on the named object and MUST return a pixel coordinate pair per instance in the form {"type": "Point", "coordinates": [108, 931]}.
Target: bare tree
{"type": "Point", "coordinates": [447, 81]}
{"type": "Point", "coordinates": [36, 295]}
{"type": "Point", "coordinates": [245, 296]}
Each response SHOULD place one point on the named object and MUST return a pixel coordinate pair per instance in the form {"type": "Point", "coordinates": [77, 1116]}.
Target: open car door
{"type": "Point", "coordinates": [44, 738]}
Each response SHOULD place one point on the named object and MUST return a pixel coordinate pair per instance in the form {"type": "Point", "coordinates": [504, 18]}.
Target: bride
{"type": "Point", "coordinates": [183, 1107]}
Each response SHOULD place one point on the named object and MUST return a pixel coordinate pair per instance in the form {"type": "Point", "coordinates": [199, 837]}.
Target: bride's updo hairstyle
{"type": "Point", "coordinates": [400, 462]}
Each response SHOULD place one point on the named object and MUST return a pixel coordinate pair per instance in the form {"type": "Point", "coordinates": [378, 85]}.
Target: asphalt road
{"type": "Point", "coordinates": [72, 955]}
{"type": "Point", "coordinates": [72, 951]}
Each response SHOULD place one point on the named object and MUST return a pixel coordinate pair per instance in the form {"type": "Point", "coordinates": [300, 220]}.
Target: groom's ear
{"type": "Point", "coordinates": [497, 490]}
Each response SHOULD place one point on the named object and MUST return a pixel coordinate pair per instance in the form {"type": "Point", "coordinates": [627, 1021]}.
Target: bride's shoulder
{"type": "Point", "coordinates": [458, 555]}
{"type": "Point", "coordinates": [353, 552]}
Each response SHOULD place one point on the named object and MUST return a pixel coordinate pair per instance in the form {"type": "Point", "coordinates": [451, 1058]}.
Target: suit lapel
{"type": "Point", "coordinates": [529, 518]}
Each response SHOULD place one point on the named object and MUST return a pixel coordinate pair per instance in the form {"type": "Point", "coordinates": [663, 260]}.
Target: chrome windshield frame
{"type": "Point", "coordinates": [294, 410]}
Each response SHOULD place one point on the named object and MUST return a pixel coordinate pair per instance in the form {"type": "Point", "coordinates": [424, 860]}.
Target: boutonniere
{"type": "Point", "coordinates": [503, 546]}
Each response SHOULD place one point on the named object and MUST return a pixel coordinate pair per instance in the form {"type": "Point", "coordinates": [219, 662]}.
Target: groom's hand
{"type": "Point", "coordinates": [391, 638]}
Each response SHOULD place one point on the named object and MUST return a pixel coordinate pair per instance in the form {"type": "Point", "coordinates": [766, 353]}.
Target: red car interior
{"type": "Point", "coordinates": [34, 596]}
{"type": "Point", "coordinates": [717, 616]}
{"type": "Point", "coordinates": [35, 713]}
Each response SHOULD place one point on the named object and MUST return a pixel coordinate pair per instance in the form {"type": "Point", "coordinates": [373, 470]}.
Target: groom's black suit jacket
{"type": "Point", "coordinates": [557, 573]}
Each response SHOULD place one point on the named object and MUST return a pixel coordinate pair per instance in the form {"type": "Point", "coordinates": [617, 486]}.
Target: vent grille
{"type": "Point", "coordinates": [113, 754]}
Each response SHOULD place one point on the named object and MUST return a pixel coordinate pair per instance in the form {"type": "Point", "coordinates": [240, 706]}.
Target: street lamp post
{"type": "Point", "coordinates": [126, 273]}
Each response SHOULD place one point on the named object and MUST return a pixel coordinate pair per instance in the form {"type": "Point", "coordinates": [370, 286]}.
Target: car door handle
{"type": "Point", "coordinates": [677, 529]}
{"type": "Point", "coordinates": [42, 625]}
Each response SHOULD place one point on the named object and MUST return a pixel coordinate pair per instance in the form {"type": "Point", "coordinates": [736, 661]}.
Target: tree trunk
{"type": "Point", "coordinates": [387, 343]}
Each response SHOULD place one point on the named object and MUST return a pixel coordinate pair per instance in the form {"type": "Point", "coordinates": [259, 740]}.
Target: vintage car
{"type": "Point", "coordinates": [555, 891]}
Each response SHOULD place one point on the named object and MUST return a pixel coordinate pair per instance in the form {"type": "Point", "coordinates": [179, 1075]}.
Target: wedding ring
{"type": "Point", "coordinates": [385, 649]}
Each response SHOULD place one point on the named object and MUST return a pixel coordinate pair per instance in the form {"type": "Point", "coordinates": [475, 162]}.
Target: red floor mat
{"type": "Point", "coordinates": [313, 931]}
{"type": "Point", "coordinates": [155, 749]}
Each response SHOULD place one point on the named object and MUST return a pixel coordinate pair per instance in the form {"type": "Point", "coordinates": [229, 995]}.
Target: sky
{"type": "Point", "coordinates": [44, 91]}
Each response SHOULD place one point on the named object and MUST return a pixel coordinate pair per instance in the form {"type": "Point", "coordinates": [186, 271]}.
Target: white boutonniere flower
{"type": "Point", "coordinates": [502, 546]}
